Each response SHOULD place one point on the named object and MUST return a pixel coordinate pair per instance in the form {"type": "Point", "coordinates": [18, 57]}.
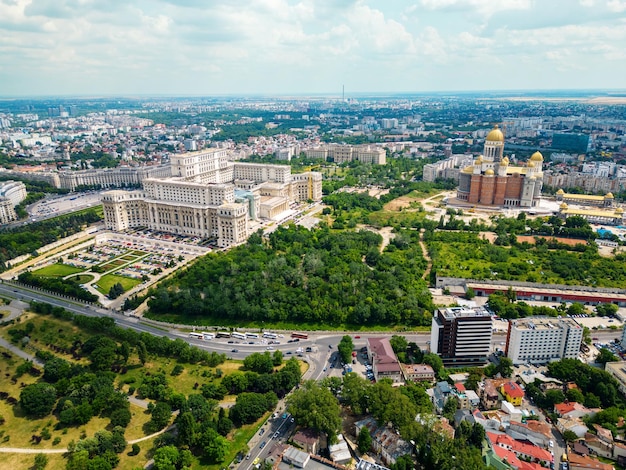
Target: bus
{"type": "Point", "coordinates": [222, 334]}
{"type": "Point", "coordinates": [300, 335]}
{"type": "Point", "coordinates": [252, 336]}
{"type": "Point", "coordinates": [196, 335]}
{"type": "Point", "coordinates": [269, 335]}
{"type": "Point", "coordinates": [238, 335]}
{"type": "Point", "coordinates": [208, 336]}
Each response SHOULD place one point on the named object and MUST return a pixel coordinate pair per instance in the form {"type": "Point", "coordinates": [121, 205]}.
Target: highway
{"type": "Point", "coordinates": [322, 345]}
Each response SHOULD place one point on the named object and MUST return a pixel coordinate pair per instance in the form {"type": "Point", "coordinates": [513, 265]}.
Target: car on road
{"type": "Point", "coordinates": [269, 348]}
{"type": "Point", "coordinates": [235, 350]}
{"type": "Point", "coordinates": [330, 346]}
{"type": "Point", "coordinates": [324, 369]}
{"type": "Point", "coordinates": [261, 432]}
{"type": "Point", "coordinates": [288, 352]}
{"type": "Point", "coordinates": [262, 444]}
{"type": "Point", "coordinates": [276, 434]}
{"type": "Point", "coordinates": [230, 342]}
{"type": "Point", "coordinates": [292, 419]}
{"type": "Point", "coordinates": [285, 415]}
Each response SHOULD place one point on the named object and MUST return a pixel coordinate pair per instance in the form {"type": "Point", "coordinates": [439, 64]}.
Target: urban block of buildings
{"type": "Point", "coordinates": [539, 340]}
{"type": "Point", "coordinates": [461, 336]}
{"type": "Point", "coordinates": [339, 153]}
{"type": "Point", "coordinates": [491, 181]}
{"type": "Point", "coordinates": [11, 194]}
{"type": "Point", "coordinates": [209, 196]}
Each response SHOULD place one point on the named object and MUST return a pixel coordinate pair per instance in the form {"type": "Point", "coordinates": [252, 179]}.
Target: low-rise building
{"type": "Point", "coordinates": [385, 441]}
{"type": "Point", "coordinates": [385, 364]}
{"type": "Point", "coordinates": [581, 462]}
{"type": "Point", "coordinates": [617, 370]}
{"type": "Point", "coordinates": [573, 410]}
{"type": "Point", "coordinates": [488, 394]}
{"type": "Point", "coordinates": [307, 439]}
{"type": "Point", "coordinates": [418, 373]}
{"type": "Point", "coordinates": [512, 393]}
{"type": "Point", "coordinates": [575, 425]}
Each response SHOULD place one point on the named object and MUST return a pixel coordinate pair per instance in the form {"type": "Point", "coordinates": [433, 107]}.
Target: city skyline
{"type": "Point", "coordinates": [287, 47]}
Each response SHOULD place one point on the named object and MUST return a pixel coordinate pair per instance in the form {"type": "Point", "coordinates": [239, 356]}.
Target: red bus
{"type": "Point", "coordinates": [300, 335]}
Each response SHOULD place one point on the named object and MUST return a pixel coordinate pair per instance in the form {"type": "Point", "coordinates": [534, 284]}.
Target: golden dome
{"type": "Point", "coordinates": [619, 210]}
{"type": "Point", "coordinates": [505, 161]}
{"type": "Point", "coordinates": [479, 159]}
{"type": "Point", "coordinates": [563, 206]}
{"type": "Point", "coordinates": [495, 135]}
{"type": "Point", "coordinates": [560, 192]}
{"type": "Point", "coordinates": [608, 196]}
{"type": "Point", "coordinates": [489, 172]}
{"type": "Point", "coordinates": [531, 164]}
{"type": "Point", "coordinates": [536, 157]}
{"type": "Point", "coordinates": [468, 169]}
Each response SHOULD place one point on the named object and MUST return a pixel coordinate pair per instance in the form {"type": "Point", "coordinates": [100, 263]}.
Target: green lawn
{"type": "Point", "coordinates": [57, 270]}
{"type": "Point", "coordinates": [106, 282]}
{"type": "Point", "coordinates": [83, 278]}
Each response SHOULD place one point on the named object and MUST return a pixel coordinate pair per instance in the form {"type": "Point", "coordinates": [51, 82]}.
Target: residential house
{"type": "Point", "coordinates": [598, 446]}
{"type": "Point", "coordinates": [441, 393]}
{"type": "Point", "coordinates": [534, 431]}
{"type": "Point", "coordinates": [296, 457]}
{"type": "Point", "coordinates": [512, 393]}
{"type": "Point", "coordinates": [521, 449]}
{"type": "Point", "coordinates": [418, 373]}
{"type": "Point", "coordinates": [573, 410]}
{"type": "Point", "coordinates": [581, 462]}
{"type": "Point", "coordinates": [385, 364]}
{"type": "Point", "coordinates": [385, 442]}
{"type": "Point", "coordinates": [489, 397]}
{"type": "Point", "coordinates": [572, 424]}
{"type": "Point", "coordinates": [339, 452]}
{"type": "Point", "coordinates": [515, 414]}
{"type": "Point", "coordinates": [308, 440]}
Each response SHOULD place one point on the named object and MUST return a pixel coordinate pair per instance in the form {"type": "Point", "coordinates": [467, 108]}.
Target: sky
{"type": "Point", "coordinates": [282, 47]}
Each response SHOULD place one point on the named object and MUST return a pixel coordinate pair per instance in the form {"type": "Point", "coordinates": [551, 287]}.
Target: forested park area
{"type": "Point", "coordinates": [299, 276]}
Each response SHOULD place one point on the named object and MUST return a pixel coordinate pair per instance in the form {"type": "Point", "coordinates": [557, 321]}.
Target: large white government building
{"type": "Point", "coordinates": [11, 194]}
{"type": "Point", "coordinates": [539, 340]}
{"type": "Point", "coordinates": [209, 196]}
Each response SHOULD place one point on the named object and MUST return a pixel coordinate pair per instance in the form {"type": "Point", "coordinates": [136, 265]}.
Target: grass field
{"type": "Point", "coordinates": [57, 270]}
{"type": "Point", "coordinates": [106, 282]}
{"type": "Point", "coordinates": [83, 278]}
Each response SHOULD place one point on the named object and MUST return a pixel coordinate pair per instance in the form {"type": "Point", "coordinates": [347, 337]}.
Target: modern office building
{"type": "Point", "coordinates": [208, 196]}
{"type": "Point", "coordinates": [492, 181]}
{"type": "Point", "coordinates": [461, 336]}
{"type": "Point", "coordinates": [540, 340]}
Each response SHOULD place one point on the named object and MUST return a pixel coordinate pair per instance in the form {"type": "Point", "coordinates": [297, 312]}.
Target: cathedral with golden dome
{"type": "Point", "coordinates": [491, 181]}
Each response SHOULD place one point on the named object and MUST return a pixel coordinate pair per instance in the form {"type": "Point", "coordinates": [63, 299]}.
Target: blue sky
{"type": "Point", "coordinates": [204, 47]}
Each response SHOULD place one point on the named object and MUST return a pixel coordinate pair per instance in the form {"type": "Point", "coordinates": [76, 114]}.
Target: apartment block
{"type": "Point", "coordinates": [541, 340]}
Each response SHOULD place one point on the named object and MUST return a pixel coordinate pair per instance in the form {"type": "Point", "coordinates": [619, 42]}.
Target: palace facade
{"type": "Point", "coordinates": [209, 196]}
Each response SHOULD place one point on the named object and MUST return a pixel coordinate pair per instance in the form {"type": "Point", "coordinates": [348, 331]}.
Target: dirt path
{"type": "Point", "coordinates": [429, 267]}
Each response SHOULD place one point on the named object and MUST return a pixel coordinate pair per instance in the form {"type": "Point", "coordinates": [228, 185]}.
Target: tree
{"type": "Point", "coordinates": [166, 458]}
{"type": "Point", "coordinates": [345, 348]}
{"type": "Point", "coordinates": [215, 446]}
{"type": "Point", "coordinates": [505, 367]}
{"type": "Point", "coordinates": [37, 400]}
{"type": "Point", "coordinates": [142, 352]}
{"type": "Point", "coordinates": [161, 414]}
{"type": "Point", "coordinates": [398, 344]}
{"type": "Point", "coordinates": [605, 355]}
{"type": "Point", "coordinates": [120, 417]}
{"type": "Point", "coordinates": [606, 310]}
{"type": "Point", "coordinates": [434, 361]}
{"type": "Point", "coordinates": [365, 440]}
{"type": "Point", "coordinates": [116, 290]}
{"type": "Point", "coordinates": [450, 407]}
{"type": "Point", "coordinates": [469, 293]}
{"type": "Point", "coordinates": [259, 362]}
{"type": "Point", "coordinates": [41, 460]}
{"type": "Point", "coordinates": [277, 358]}
{"type": "Point", "coordinates": [315, 407]}
{"type": "Point", "coordinates": [569, 436]}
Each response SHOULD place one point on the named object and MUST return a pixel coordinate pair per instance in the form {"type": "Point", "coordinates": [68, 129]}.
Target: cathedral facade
{"type": "Point", "coordinates": [492, 181]}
